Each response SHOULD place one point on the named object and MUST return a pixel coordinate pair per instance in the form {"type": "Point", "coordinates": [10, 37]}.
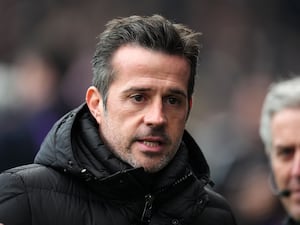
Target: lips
{"type": "Point", "coordinates": [152, 144]}
{"type": "Point", "coordinates": [158, 140]}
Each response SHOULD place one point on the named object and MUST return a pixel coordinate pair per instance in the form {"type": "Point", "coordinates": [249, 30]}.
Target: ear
{"type": "Point", "coordinates": [189, 107]}
{"type": "Point", "coordinates": [94, 102]}
{"type": "Point", "coordinates": [190, 103]}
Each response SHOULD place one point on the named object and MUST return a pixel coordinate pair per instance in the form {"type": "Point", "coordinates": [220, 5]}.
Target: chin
{"type": "Point", "coordinates": [295, 213]}
{"type": "Point", "coordinates": [154, 168]}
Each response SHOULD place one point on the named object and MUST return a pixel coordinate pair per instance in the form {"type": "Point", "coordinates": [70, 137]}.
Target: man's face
{"type": "Point", "coordinates": [147, 107]}
{"type": "Point", "coordinates": [285, 157]}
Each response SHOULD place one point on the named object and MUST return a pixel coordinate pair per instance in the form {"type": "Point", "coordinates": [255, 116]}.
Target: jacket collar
{"type": "Point", "coordinates": [290, 221]}
{"type": "Point", "coordinates": [65, 149]}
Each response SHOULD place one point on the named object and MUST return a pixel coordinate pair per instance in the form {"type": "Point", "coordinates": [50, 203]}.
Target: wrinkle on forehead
{"type": "Point", "coordinates": [145, 62]}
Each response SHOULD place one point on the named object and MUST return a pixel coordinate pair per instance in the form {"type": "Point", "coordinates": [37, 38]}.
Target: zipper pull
{"type": "Point", "coordinates": [147, 212]}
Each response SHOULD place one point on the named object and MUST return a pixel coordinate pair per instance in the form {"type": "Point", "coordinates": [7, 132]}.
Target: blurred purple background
{"type": "Point", "coordinates": [45, 51]}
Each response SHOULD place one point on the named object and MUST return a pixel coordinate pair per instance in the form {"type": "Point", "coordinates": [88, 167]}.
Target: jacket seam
{"type": "Point", "coordinates": [25, 193]}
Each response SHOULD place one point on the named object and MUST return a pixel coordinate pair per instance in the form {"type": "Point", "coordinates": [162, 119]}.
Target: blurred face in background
{"type": "Point", "coordinates": [36, 82]}
{"type": "Point", "coordinates": [285, 157]}
{"type": "Point", "coordinates": [147, 107]}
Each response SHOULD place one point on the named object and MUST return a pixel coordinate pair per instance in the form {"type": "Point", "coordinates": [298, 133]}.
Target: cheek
{"type": "Point", "coordinates": [112, 132]}
{"type": "Point", "coordinates": [118, 122]}
{"type": "Point", "coordinates": [280, 171]}
{"type": "Point", "coordinates": [177, 123]}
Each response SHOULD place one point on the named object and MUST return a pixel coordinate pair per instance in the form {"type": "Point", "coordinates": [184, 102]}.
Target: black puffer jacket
{"type": "Point", "coordinates": [290, 221]}
{"type": "Point", "coordinates": [76, 180]}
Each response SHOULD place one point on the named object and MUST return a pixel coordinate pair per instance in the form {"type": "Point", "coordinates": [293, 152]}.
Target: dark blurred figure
{"type": "Point", "coordinates": [38, 73]}
{"type": "Point", "coordinates": [233, 149]}
{"type": "Point", "coordinates": [280, 132]}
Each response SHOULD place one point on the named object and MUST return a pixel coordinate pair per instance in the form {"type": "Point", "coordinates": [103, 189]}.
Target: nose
{"type": "Point", "coordinates": [155, 115]}
{"type": "Point", "coordinates": [296, 164]}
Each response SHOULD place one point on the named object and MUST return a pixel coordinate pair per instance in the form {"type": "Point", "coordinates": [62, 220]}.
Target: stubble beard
{"type": "Point", "coordinates": [128, 157]}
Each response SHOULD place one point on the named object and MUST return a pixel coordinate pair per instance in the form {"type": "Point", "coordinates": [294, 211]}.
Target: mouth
{"type": "Point", "coordinates": [297, 191]}
{"type": "Point", "coordinates": [152, 144]}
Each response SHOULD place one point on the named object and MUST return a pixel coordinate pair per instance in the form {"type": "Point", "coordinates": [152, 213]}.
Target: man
{"type": "Point", "coordinates": [39, 71]}
{"type": "Point", "coordinates": [124, 157]}
{"type": "Point", "coordinates": [280, 132]}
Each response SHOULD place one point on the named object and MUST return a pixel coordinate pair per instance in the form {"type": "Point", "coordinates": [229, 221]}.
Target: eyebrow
{"type": "Point", "coordinates": [139, 89]}
{"type": "Point", "coordinates": [284, 146]}
{"type": "Point", "coordinates": [178, 92]}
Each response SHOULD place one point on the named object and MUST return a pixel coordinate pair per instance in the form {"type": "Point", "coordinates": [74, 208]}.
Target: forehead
{"type": "Point", "coordinates": [142, 62]}
{"type": "Point", "coordinates": [285, 126]}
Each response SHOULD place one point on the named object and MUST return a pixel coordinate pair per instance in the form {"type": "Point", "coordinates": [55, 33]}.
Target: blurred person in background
{"type": "Point", "coordinates": [124, 156]}
{"type": "Point", "coordinates": [38, 72]}
{"type": "Point", "coordinates": [232, 146]}
{"type": "Point", "coordinates": [280, 132]}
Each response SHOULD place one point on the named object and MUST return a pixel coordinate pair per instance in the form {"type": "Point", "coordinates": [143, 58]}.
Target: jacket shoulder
{"type": "Point", "coordinates": [216, 200]}
{"type": "Point", "coordinates": [28, 190]}
{"type": "Point", "coordinates": [21, 180]}
{"type": "Point", "coordinates": [14, 191]}
{"type": "Point", "coordinates": [217, 210]}
{"type": "Point", "coordinates": [35, 176]}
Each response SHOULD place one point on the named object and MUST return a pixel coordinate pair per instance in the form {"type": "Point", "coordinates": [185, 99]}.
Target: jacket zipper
{"type": "Point", "coordinates": [147, 212]}
{"type": "Point", "coordinates": [149, 198]}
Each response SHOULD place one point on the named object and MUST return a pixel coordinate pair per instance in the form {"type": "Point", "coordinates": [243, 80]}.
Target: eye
{"type": "Point", "coordinates": [285, 152]}
{"type": "Point", "coordinates": [137, 98]}
{"type": "Point", "coordinates": [173, 100]}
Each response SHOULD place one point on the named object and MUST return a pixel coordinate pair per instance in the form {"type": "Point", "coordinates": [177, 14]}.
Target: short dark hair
{"type": "Point", "coordinates": [153, 32]}
{"type": "Point", "coordinates": [284, 94]}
